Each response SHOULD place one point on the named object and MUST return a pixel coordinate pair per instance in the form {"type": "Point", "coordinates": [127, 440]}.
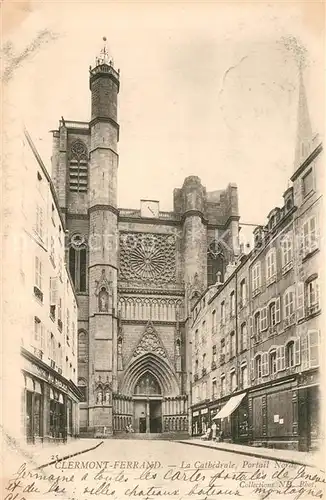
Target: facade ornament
{"type": "Point", "coordinates": [103, 292]}
{"type": "Point", "coordinates": [99, 397]}
{"type": "Point", "coordinates": [150, 342]}
{"type": "Point", "coordinates": [148, 258]}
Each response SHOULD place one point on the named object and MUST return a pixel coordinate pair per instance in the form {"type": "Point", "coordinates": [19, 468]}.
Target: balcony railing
{"type": "Point", "coordinates": [213, 366]}
{"type": "Point", "coordinates": [313, 309]}
{"type": "Point", "coordinates": [256, 291]}
{"type": "Point", "coordinates": [204, 371]}
{"type": "Point", "coordinates": [38, 294]}
{"type": "Point", "coordinates": [271, 280]}
{"type": "Point", "coordinates": [196, 377]}
{"type": "Point", "coordinates": [273, 330]}
{"type": "Point", "coordinates": [289, 320]}
{"type": "Point", "coordinates": [222, 359]}
{"type": "Point", "coordinates": [286, 268]}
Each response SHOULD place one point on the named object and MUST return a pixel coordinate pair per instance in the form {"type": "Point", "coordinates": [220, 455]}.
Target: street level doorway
{"type": "Point", "coordinates": [147, 405]}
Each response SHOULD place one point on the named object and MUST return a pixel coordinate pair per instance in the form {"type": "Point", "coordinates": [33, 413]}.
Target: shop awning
{"type": "Point", "coordinates": [230, 406]}
{"type": "Point", "coordinates": [51, 393]}
{"type": "Point", "coordinates": [61, 398]}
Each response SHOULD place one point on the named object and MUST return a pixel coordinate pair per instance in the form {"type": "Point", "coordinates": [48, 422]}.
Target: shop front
{"type": "Point", "coordinates": [308, 411]}
{"type": "Point", "coordinates": [273, 415]}
{"type": "Point", "coordinates": [200, 421]}
{"type": "Point", "coordinates": [196, 424]}
{"type": "Point", "coordinates": [232, 419]}
{"type": "Point", "coordinates": [33, 403]}
{"type": "Point", "coordinates": [50, 403]}
{"type": "Point", "coordinates": [58, 416]}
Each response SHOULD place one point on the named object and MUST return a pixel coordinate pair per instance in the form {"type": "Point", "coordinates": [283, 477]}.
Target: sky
{"type": "Point", "coordinates": [207, 89]}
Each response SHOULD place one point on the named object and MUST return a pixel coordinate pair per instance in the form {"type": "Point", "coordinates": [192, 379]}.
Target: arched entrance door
{"type": "Point", "coordinates": [147, 404]}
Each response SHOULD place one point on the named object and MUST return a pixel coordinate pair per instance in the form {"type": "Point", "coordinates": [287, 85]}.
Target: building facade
{"type": "Point", "coordinates": [256, 337]}
{"type": "Point", "coordinates": [136, 273]}
{"type": "Point", "coordinates": [40, 304]}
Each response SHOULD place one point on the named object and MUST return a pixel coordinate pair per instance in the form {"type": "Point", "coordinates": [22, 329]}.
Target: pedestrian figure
{"type": "Point", "coordinates": [214, 429]}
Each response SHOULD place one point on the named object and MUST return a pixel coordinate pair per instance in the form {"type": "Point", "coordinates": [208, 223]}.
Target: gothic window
{"type": "Point", "coordinates": [82, 347]}
{"type": "Point", "coordinates": [147, 385]}
{"type": "Point", "coordinates": [119, 345]}
{"type": "Point", "coordinates": [78, 169]}
{"type": "Point", "coordinates": [147, 257]}
{"type": "Point", "coordinates": [78, 262]}
{"type": "Point", "coordinates": [215, 262]}
{"type": "Point", "coordinates": [82, 386]}
{"type": "Point", "coordinates": [178, 345]}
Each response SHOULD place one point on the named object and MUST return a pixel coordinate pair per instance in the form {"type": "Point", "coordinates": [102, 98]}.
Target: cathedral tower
{"type": "Point", "coordinates": [103, 241]}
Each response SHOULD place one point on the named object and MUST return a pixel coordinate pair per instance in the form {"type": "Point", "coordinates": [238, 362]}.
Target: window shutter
{"type": "Point", "coordinates": [251, 327]}
{"type": "Point", "coordinates": [277, 310]}
{"type": "Point", "coordinates": [313, 340]}
{"type": "Point", "coordinates": [42, 336]}
{"type": "Point", "coordinates": [300, 300]}
{"type": "Point", "coordinates": [263, 319]}
{"type": "Point", "coordinates": [49, 343]}
{"type": "Point", "coordinates": [253, 369]}
{"type": "Point", "coordinates": [317, 292]}
{"type": "Point", "coordinates": [304, 352]}
{"type": "Point", "coordinates": [227, 346]}
{"type": "Point", "coordinates": [258, 275]}
{"type": "Point", "coordinates": [40, 273]}
{"type": "Point", "coordinates": [278, 359]}
{"type": "Point", "coordinates": [282, 358]}
{"type": "Point", "coordinates": [297, 352]}
{"type": "Point", "coordinates": [313, 243]}
{"type": "Point", "coordinates": [264, 364]}
{"type": "Point", "coordinates": [53, 291]}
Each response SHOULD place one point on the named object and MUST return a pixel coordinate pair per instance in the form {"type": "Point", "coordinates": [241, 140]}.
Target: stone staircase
{"type": "Point", "coordinates": [169, 436]}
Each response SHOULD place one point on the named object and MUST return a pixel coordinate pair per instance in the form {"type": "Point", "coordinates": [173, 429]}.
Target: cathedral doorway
{"type": "Point", "coordinates": [147, 405]}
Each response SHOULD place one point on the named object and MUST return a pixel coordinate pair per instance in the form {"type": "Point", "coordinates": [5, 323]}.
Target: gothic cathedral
{"type": "Point", "coordinates": [137, 273]}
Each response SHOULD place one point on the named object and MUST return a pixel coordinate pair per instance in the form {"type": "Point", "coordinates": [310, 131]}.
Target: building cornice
{"type": "Point", "coordinates": [107, 148]}
{"type": "Point", "coordinates": [75, 216]}
{"type": "Point", "coordinates": [150, 291]}
{"type": "Point", "coordinates": [105, 119]}
{"type": "Point", "coordinates": [47, 176]}
{"type": "Point", "coordinates": [153, 321]}
{"type": "Point", "coordinates": [194, 213]}
{"type": "Point", "coordinates": [100, 208]}
{"type": "Point", "coordinates": [34, 359]}
{"type": "Point", "coordinates": [307, 162]}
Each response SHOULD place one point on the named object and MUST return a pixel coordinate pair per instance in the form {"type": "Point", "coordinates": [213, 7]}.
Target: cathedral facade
{"type": "Point", "coordinates": [136, 272]}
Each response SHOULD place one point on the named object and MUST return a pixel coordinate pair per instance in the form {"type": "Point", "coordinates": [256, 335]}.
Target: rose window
{"type": "Point", "coordinates": [148, 257]}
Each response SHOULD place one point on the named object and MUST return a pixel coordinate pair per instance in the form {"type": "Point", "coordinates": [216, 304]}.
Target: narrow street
{"type": "Point", "coordinates": [121, 469]}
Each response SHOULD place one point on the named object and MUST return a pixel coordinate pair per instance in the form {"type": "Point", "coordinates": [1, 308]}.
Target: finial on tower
{"type": "Point", "coordinates": [104, 57]}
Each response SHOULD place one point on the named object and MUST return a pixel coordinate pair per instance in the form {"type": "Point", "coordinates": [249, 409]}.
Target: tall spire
{"type": "Point", "coordinates": [304, 130]}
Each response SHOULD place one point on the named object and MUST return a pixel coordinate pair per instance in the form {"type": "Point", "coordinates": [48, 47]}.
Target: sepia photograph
{"type": "Point", "coordinates": [162, 256]}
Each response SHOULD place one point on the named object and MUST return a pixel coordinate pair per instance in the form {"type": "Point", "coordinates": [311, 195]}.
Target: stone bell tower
{"type": "Point", "coordinates": [103, 241]}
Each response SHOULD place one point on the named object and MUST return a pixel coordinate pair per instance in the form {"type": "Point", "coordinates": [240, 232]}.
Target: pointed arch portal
{"type": "Point", "coordinates": [148, 379]}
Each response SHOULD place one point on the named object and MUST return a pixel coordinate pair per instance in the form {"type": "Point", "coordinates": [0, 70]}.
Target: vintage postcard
{"type": "Point", "coordinates": [162, 250]}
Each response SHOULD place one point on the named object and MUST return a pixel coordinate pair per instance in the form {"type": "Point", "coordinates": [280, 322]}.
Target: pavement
{"type": "Point", "coordinates": [42, 454]}
{"type": "Point", "coordinates": [125, 469]}
{"type": "Point", "coordinates": [45, 454]}
{"type": "Point", "coordinates": [287, 456]}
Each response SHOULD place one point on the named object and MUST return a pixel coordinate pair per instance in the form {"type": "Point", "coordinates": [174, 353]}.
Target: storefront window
{"type": "Point", "coordinates": [37, 414]}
